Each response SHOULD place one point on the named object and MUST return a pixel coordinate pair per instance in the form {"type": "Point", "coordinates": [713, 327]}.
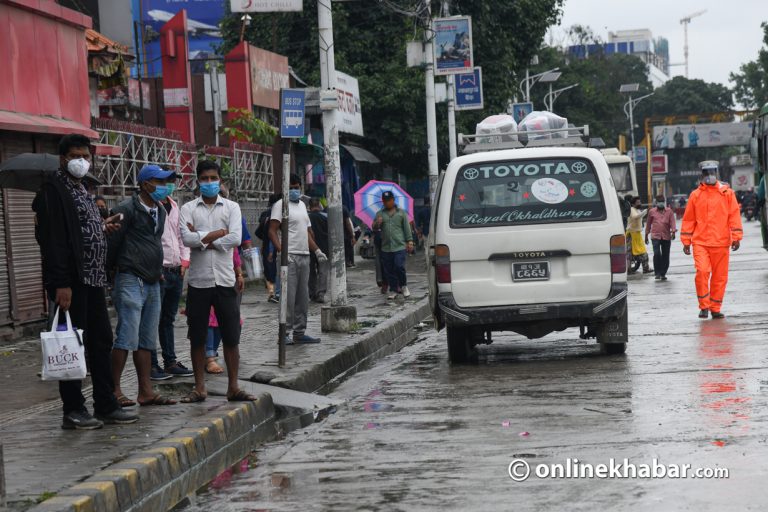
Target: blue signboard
{"type": "Point", "coordinates": [203, 19]}
{"type": "Point", "coordinates": [468, 90]}
{"type": "Point", "coordinates": [641, 155]}
{"type": "Point", "coordinates": [291, 113]}
{"type": "Point", "coordinates": [520, 110]}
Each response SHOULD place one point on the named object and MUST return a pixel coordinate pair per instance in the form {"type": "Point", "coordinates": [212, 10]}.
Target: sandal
{"type": "Point", "coordinates": [213, 367]}
{"type": "Point", "coordinates": [124, 401]}
{"type": "Point", "coordinates": [241, 396]}
{"type": "Point", "coordinates": [158, 399]}
{"type": "Point", "coordinates": [193, 397]}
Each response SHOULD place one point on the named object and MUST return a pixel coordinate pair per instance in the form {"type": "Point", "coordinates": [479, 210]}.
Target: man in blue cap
{"type": "Point", "coordinates": [136, 254]}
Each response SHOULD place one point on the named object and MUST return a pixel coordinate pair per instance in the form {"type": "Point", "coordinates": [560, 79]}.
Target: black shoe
{"type": "Point", "coordinates": [80, 420]}
{"type": "Point", "coordinates": [663, 278]}
{"type": "Point", "coordinates": [658, 278]}
{"type": "Point", "coordinates": [158, 373]}
{"type": "Point", "coordinates": [179, 370]}
{"type": "Point", "coordinates": [704, 313]}
{"type": "Point", "coordinates": [118, 417]}
{"type": "Point", "coordinates": [716, 315]}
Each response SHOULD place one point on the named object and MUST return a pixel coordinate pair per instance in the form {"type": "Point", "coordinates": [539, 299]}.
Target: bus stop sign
{"type": "Point", "coordinates": [292, 102]}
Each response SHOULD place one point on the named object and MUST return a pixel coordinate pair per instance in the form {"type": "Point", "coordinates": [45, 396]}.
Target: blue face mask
{"type": "Point", "coordinates": [171, 187]}
{"type": "Point", "coordinates": [294, 195]}
{"type": "Point", "coordinates": [210, 189]}
{"type": "Point", "coordinates": [160, 193]}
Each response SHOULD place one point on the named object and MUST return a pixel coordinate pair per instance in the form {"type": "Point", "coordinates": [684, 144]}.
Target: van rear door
{"type": "Point", "coordinates": [529, 231]}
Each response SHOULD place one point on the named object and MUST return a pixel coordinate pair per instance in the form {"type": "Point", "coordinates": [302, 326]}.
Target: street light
{"type": "Point", "coordinates": [629, 108]}
{"type": "Point", "coordinates": [527, 82]}
{"type": "Point", "coordinates": [552, 96]}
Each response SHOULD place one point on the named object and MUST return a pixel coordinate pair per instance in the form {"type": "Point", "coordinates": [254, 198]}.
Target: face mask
{"type": "Point", "coordinates": [171, 187]}
{"type": "Point", "coordinates": [78, 167]}
{"type": "Point", "coordinates": [294, 195]}
{"type": "Point", "coordinates": [104, 213]}
{"type": "Point", "coordinates": [661, 206]}
{"type": "Point", "coordinates": [210, 189]}
{"type": "Point", "coordinates": [710, 179]}
{"type": "Point", "coordinates": [159, 194]}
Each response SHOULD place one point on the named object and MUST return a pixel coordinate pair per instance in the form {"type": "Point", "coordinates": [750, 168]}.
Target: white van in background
{"type": "Point", "coordinates": [622, 171]}
{"type": "Point", "coordinates": [528, 240]}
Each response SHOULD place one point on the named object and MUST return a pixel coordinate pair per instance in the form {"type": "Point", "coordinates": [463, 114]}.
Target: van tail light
{"type": "Point", "coordinates": [443, 264]}
{"type": "Point", "coordinates": [618, 254]}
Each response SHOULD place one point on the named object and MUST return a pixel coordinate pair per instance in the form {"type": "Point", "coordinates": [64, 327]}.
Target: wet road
{"type": "Point", "coordinates": [420, 434]}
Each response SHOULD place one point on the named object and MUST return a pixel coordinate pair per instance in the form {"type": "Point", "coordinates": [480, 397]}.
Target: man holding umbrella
{"type": "Point", "coordinates": [72, 240]}
{"type": "Point", "coordinates": [396, 238]}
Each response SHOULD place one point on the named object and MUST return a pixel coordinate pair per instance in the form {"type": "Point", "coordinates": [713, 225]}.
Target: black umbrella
{"type": "Point", "coordinates": [28, 171]}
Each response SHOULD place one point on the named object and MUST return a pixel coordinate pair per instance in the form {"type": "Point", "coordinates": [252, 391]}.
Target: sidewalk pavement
{"type": "Point", "coordinates": [174, 450]}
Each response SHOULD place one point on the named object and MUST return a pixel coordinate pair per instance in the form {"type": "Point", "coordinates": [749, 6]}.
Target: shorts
{"type": "Point", "coordinates": [138, 312]}
{"type": "Point", "coordinates": [225, 303]}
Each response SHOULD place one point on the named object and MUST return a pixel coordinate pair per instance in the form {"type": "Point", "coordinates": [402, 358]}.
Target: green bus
{"type": "Point", "coordinates": [759, 152]}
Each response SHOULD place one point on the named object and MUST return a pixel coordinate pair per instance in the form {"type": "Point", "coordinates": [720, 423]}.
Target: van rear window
{"type": "Point", "coordinates": [520, 192]}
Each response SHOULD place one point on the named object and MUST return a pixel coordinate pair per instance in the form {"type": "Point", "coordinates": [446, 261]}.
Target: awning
{"type": "Point", "coordinates": [361, 155]}
{"type": "Point", "coordinates": [21, 122]}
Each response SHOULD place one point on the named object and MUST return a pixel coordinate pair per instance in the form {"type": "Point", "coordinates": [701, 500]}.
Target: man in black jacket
{"type": "Point", "coordinates": [136, 253]}
{"type": "Point", "coordinates": [71, 235]}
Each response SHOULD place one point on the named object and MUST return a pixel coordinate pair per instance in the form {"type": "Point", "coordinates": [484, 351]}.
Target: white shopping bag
{"type": "Point", "coordinates": [254, 267]}
{"type": "Point", "coordinates": [63, 352]}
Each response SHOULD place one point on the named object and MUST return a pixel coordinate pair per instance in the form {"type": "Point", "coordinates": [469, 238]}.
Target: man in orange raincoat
{"type": "Point", "coordinates": [712, 224]}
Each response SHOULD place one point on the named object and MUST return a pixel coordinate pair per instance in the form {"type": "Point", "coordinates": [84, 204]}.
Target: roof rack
{"type": "Point", "coordinates": [573, 136]}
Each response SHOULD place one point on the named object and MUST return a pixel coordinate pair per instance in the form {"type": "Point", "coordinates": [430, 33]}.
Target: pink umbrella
{"type": "Point", "coordinates": [368, 200]}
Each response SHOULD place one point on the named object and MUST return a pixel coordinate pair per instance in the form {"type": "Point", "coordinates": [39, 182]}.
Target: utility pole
{"type": "Point", "coordinates": [451, 84]}
{"type": "Point", "coordinates": [429, 85]}
{"type": "Point", "coordinates": [339, 317]}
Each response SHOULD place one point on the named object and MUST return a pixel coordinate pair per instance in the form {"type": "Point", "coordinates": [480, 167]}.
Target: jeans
{"type": "Point", "coordinates": [170, 294]}
{"type": "Point", "coordinates": [138, 312]}
{"type": "Point", "coordinates": [298, 293]}
{"type": "Point", "coordinates": [89, 313]}
{"type": "Point", "coordinates": [394, 269]}
{"type": "Point", "coordinates": [212, 342]}
{"type": "Point", "coordinates": [661, 250]}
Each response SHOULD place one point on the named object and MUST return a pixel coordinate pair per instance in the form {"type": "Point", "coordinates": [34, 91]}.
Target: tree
{"type": "Point", "coordinates": [751, 82]}
{"type": "Point", "coordinates": [371, 43]}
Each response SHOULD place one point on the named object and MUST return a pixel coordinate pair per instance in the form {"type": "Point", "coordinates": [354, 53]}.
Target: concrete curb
{"type": "Point", "coordinates": [386, 338]}
{"type": "Point", "coordinates": [159, 478]}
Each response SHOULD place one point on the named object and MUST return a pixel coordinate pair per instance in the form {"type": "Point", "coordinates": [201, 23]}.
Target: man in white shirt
{"type": "Point", "coordinates": [300, 243]}
{"type": "Point", "coordinates": [211, 227]}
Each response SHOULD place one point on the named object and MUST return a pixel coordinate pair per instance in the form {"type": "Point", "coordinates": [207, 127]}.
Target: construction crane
{"type": "Point", "coordinates": [684, 22]}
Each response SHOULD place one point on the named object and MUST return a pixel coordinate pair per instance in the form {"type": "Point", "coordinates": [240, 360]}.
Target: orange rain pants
{"type": "Point", "coordinates": [711, 275]}
{"type": "Point", "coordinates": [712, 222]}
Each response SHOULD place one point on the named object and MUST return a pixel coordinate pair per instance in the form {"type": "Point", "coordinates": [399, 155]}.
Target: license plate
{"type": "Point", "coordinates": [534, 271]}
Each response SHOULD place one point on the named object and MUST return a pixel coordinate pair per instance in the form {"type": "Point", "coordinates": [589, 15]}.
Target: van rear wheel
{"type": "Point", "coordinates": [460, 346]}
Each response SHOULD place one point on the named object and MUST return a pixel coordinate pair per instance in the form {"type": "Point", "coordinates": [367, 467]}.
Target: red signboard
{"type": "Point", "coordinates": [659, 164]}
{"type": "Point", "coordinates": [177, 80]}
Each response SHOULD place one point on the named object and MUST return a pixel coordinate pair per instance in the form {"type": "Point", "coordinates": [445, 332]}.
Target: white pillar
{"type": "Point", "coordinates": [338, 271]}
{"type": "Point", "coordinates": [429, 85]}
{"type": "Point", "coordinates": [451, 117]}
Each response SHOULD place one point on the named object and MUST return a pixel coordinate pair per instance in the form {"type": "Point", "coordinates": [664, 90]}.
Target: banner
{"type": "Point", "coordinates": [203, 19]}
{"type": "Point", "coordinates": [349, 118]}
{"type": "Point", "coordinates": [704, 135]}
{"type": "Point", "coordinates": [452, 46]}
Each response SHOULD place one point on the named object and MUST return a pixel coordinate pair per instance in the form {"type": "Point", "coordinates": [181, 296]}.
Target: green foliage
{"type": "Point", "coordinates": [370, 44]}
{"type": "Point", "coordinates": [244, 126]}
{"type": "Point", "coordinates": [751, 82]}
{"type": "Point", "coordinates": [597, 101]}
{"type": "Point", "coordinates": [681, 96]}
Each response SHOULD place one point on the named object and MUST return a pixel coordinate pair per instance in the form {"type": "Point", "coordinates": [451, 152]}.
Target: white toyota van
{"type": "Point", "coordinates": [528, 240]}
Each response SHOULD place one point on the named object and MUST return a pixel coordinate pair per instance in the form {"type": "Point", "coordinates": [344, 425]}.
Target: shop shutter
{"type": "Point", "coordinates": [29, 303]}
{"type": "Point", "coordinates": [5, 287]}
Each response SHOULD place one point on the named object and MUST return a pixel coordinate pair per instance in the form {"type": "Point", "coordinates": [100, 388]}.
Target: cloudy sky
{"type": "Point", "coordinates": [719, 41]}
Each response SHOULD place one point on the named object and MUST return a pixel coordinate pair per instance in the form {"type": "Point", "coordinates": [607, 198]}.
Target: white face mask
{"type": "Point", "coordinates": [78, 167]}
{"type": "Point", "coordinates": [710, 179]}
